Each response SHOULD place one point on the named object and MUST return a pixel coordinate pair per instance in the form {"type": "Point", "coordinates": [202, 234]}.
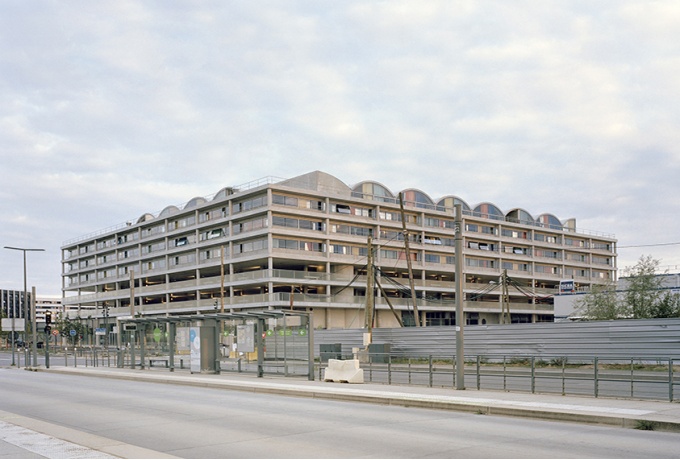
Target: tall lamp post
{"type": "Point", "coordinates": [24, 250]}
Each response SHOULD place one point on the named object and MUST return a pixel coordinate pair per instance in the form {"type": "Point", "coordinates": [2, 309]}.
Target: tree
{"type": "Point", "coordinates": [642, 294]}
{"type": "Point", "coordinates": [65, 325]}
{"type": "Point", "coordinates": [668, 306]}
{"type": "Point", "coordinates": [641, 297]}
{"type": "Point", "coordinates": [601, 303]}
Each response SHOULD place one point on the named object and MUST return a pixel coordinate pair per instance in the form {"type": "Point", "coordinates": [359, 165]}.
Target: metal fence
{"type": "Point", "coordinates": [604, 339]}
{"type": "Point", "coordinates": [620, 377]}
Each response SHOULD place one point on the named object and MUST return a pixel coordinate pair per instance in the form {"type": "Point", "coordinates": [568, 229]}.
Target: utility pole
{"type": "Point", "coordinates": [407, 249]}
{"type": "Point", "coordinates": [370, 297]}
{"type": "Point", "coordinates": [460, 298]}
{"type": "Point", "coordinates": [505, 299]}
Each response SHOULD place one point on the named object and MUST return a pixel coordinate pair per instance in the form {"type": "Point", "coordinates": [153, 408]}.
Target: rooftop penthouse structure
{"type": "Point", "coordinates": [302, 243]}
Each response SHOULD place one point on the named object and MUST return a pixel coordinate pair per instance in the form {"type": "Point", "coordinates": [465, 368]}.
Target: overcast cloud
{"type": "Point", "coordinates": [111, 109]}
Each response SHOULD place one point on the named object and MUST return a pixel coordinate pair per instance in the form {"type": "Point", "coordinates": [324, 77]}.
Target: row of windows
{"type": "Point", "coordinates": [261, 201]}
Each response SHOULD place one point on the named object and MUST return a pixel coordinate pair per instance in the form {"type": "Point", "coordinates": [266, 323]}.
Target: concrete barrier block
{"type": "Point", "coordinates": [346, 371]}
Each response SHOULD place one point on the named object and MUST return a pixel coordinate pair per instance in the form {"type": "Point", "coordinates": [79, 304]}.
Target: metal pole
{"type": "Point", "coordinates": [47, 350]}
{"type": "Point", "coordinates": [260, 347]}
{"type": "Point", "coordinates": [460, 315]}
{"type": "Point", "coordinates": [310, 346]}
{"type": "Point", "coordinates": [35, 323]}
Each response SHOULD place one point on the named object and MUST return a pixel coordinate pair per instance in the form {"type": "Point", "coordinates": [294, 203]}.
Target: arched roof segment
{"type": "Point", "coordinates": [371, 190]}
{"type": "Point", "coordinates": [448, 203]}
{"type": "Point", "coordinates": [417, 198]}
{"type": "Point", "coordinates": [168, 211]}
{"type": "Point", "coordinates": [488, 211]}
{"type": "Point", "coordinates": [549, 221]}
{"type": "Point", "coordinates": [194, 202]}
{"type": "Point", "coordinates": [145, 218]}
{"type": "Point", "coordinates": [223, 193]}
{"type": "Point", "coordinates": [520, 216]}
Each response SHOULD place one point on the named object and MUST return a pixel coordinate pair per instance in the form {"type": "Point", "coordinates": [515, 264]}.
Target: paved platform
{"type": "Point", "coordinates": [625, 413]}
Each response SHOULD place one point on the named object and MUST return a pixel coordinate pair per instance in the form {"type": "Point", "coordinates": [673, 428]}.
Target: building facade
{"type": "Point", "coordinates": [302, 243]}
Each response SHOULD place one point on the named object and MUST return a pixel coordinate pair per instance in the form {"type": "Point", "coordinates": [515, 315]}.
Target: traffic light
{"type": "Point", "coordinates": [48, 317]}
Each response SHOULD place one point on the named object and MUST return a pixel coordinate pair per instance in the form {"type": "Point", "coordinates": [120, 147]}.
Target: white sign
{"type": "Point", "coordinates": [18, 324]}
{"type": "Point", "coordinates": [195, 344]}
{"type": "Point", "coordinates": [245, 338]}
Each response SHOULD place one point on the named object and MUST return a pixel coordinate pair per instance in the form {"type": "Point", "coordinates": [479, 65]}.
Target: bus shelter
{"type": "Point", "coordinates": [271, 341]}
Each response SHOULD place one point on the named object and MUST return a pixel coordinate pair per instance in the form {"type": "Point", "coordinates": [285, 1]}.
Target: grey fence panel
{"type": "Point", "coordinates": [651, 338]}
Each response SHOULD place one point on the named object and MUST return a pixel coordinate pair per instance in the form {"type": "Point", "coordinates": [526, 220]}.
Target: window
{"type": "Point", "coordinates": [215, 233]}
{"type": "Point", "coordinates": [482, 246]}
{"type": "Point", "coordinates": [250, 225]}
{"type": "Point", "coordinates": [513, 266]}
{"type": "Point", "coordinates": [253, 203]}
{"type": "Point", "coordinates": [284, 200]}
{"type": "Point", "coordinates": [441, 223]}
{"type": "Point", "coordinates": [340, 249]}
{"type": "Point", "coordinates": [384, 215]}
{"type": "Point", "coordinates": [546, 238]}
{"type": "Point", "coordinates": [602, 246]}
{"type": "Point", "coordinates": [432, 258]}
{"type": "Point", "coordinates": [351, 230]}
{"type": "Point", "coordinates": [515, 234]}
{"type": "Point", "coordinates": [342, 209]}
{"type": "Point", "coordinates": [480, 263]}
{"type": "Point", "coordinates": [183, 241]}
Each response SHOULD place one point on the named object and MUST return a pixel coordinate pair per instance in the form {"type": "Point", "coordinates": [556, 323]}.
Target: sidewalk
{"type": "Point", "coordinates": [625, 413]}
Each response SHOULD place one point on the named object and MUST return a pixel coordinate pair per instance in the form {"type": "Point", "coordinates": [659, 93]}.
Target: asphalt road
{"type": "Point", "coordinates": [195, 422]}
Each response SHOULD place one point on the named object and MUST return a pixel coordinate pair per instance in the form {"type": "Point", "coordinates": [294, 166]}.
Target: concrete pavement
{"type": "Point", "coordinates": [625, 413]}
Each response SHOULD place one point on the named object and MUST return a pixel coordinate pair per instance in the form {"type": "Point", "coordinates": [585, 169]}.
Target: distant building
{"type": "Point", "coordinates": [12, 304]}
{"type": "Point", "coordinates": [302, 243]}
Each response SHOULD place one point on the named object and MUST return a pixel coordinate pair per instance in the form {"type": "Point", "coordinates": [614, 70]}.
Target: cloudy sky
{"type": "Point", "coordinates": [111, 109]}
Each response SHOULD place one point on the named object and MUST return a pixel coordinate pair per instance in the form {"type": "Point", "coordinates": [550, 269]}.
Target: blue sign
{"type": "Point", "coordinates": [73, 332]}
{"type": "Point", "coordinates": [567, 286]}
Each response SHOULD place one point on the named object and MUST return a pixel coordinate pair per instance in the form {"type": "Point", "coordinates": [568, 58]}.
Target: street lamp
{"type": "Point", "coordinates": [24, 250]}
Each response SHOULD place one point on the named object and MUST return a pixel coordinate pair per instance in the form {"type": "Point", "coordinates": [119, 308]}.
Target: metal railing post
{"type": "Point", "coordinates": [632, 377]}
{"type": "Point", "coordinates": [430, 382]}
{"type": "Point", "coordinates": [670, 379]}
{"type": "Point", "coordinates": [479, 377]}
{"type": "Point", "coordinates": [533, 375]}
{"type": "Point", "coordinates": [504, 375]}
{"type": "Point", "coordinates": [409, 371]}
{"type": "Point", "coordinates": [564, 363]}
{"type": "Point", "coordinates": [595, 377]}
{"type": "Point", "coordinates": [389, 369]}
